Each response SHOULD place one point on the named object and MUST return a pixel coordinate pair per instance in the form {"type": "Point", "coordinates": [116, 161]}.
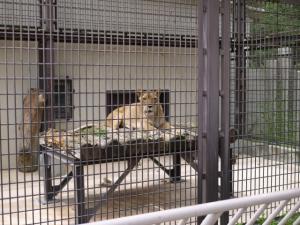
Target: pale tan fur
{"type": "Point", "coordinates": [33, 107]}
{"type": "Point", "coordinates": [147, 114]}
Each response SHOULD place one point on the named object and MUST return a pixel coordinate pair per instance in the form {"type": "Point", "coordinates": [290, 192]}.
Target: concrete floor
{"type": "Point", "coordinates": [146, 189]}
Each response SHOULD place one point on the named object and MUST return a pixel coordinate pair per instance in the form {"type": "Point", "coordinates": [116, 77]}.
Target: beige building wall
{"type": "Point", "coordinates": [97, 69]}
{"type": "Point", "coordinates": [94, 70]}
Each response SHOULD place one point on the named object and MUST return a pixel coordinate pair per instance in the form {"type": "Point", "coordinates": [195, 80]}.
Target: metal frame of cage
{"type": "Point", "coordinates": [212, 211]}
{"type": "Point", "coordinates": [212, 51]}
{"type": "Point", "coordinates": [241, 101]}
{"type": "Point", "coordinates": [47, 34]}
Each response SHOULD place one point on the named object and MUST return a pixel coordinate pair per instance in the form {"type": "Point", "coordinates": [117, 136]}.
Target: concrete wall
{"type": "Point", "coordinates": [149, 16]}
{"type": "Point", "coordinates": [94, 70]}
{"type": "Point", "coordinates": [97, 68]}
{"type": "Point", "coordinates": [20, 12]}
{"type": "Point", "coordinates": [142, 16]}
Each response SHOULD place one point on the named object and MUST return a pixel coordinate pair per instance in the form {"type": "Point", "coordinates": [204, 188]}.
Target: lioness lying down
{"type": "Point", "coordinates": [147, 114]}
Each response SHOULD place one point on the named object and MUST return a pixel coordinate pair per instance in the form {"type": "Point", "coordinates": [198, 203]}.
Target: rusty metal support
{"type": "Point", "coordinates": [225, 152]}
{"type": "Point", "coordinates": [200, 104]}
{"type": "Point", "coordinates": [46, 62]}
{"type": "Point", "coordinates": [208, 21]}
{"type": "Point", "coordinates": [240, 55]}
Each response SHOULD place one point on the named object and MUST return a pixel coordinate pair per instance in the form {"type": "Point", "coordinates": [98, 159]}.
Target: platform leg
{"type": "Point", "coordinates": [80, 211]}
{"type": "Point", "coordinates": [48, 188]}
{"type": "Point", "coordinates": [131, 164]}
{"type": "Point", "coordinates": [175, 175]}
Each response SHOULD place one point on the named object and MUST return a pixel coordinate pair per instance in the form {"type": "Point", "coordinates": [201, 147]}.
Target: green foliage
{"type": "Point", "coordinates": [278, 114]}
{"type": "Point", "coordinates": [276, 221]}
{"type": "Point", "coordinates": [97, 131]}
{"type": "Point", "coordinates": [279, 124]}
{"type": "Point", "coordinates": [277, 17]}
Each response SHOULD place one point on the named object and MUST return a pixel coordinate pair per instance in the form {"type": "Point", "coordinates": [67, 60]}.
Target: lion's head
{"type": "Point", "coordinates": [150, 101]}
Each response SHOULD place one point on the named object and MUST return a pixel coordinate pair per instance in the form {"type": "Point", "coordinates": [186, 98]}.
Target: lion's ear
{"type": "Point", "coordinates": [157, 93]}
{"type": "Point", "coordinates": [139, 92]}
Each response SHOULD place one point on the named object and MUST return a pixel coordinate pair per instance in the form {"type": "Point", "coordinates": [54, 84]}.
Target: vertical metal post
{"type": "Point", "coordinates": [45, 45]}
{"type": "Point", "coordinates": [226, 169]}
{"type": "Point", "coordinates": [240, 95]}
{"type": "Point", "coordinates": [80, 211]}
{"type": "Point", "coordinates": [176, 171]}
{"type": "Point", "coordinates": [48, 190]}
{"type": "Point", "coordinates": [208, 99]}
{"type": "Point", "coordinates": [200, 104]}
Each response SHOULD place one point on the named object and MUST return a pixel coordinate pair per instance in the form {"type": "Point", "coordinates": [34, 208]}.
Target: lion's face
{"type": "Point", "coordinates": [150, 102]}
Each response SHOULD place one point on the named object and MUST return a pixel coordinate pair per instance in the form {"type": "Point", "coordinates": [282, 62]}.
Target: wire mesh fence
{"type": "Point", "coordinates": [98, 109]}
{"type": "Point", "coordinates": [100, 105]}
{"type": "Point", "coordinates": [264, 96]}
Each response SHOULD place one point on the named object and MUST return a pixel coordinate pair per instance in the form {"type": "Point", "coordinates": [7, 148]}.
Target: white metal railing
{"type": "Point", "coordinates": [213, 210]}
